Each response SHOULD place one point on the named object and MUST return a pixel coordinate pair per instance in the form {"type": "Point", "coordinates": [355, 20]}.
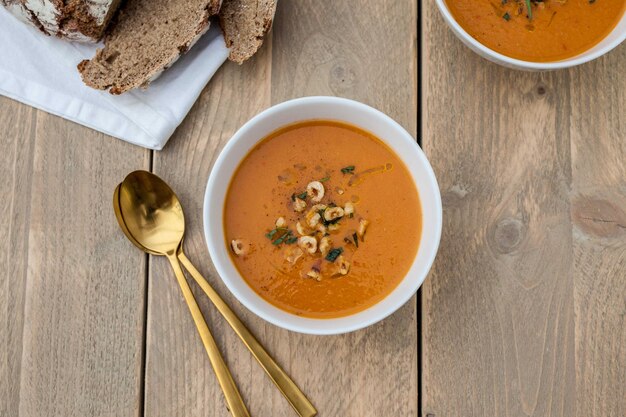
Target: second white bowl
{"type": "Point", "coordinates": [613, 39]}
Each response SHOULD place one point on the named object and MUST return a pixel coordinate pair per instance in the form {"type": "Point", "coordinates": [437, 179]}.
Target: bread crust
{"type": "Point", "coordinates": [77, 20]}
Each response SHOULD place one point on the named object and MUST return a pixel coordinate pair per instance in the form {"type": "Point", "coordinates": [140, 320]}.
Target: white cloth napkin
{"type": "Point", "coordinates": [41, 71]}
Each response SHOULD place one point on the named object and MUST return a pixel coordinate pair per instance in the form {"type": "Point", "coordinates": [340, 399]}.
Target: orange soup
{"type": "Point", "coordinates": [538, 31]}
{"type": "Point", "coordinates": [322, 219]}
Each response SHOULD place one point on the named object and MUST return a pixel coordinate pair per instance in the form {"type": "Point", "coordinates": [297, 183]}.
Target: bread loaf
{"type": "Point", "coordinates": [78, 20]}
{"type": "Point", "coordinates": [145, 38]}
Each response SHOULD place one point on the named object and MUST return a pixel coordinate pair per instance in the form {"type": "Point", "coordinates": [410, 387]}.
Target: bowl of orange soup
{"type": "Point", "coordinates": [322, 215]}
{"type": "Point", "coordinates": [537, 35]}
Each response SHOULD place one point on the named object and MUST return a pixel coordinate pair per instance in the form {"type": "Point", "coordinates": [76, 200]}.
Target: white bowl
{"type": "Point", "coordinates": [328, 108]}
{"type": "Point", "coordinates": [613, 39]}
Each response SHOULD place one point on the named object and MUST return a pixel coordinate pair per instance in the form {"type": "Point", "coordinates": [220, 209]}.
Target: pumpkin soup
{"type": "Point", "coordinates": [538, 31]}
{"type": "Point", "coordinates": [322, 219]}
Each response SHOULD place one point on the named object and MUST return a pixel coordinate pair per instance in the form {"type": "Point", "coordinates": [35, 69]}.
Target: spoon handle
{"type": "Point", "coordinates": [287, 387]}
{"type": "Point", "coordinates": [225, 379]}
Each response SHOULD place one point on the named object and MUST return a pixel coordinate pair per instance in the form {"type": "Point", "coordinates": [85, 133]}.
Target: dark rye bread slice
{"type": "Point", "coordinates": [245, 23]}
{"type": "Point", "coordinates": [145, 38]}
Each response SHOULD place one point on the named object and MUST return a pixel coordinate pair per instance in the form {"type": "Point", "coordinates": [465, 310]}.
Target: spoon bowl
{"type": "Point", "coordinates": [122, 223]}
{"type": "Point", "coordinates": [151, 213]}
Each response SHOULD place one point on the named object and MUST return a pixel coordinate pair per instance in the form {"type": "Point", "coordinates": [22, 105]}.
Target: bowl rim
{"type": "Point", "coordinates": [213, 239]}
{"type": "Point", "coordinates": [529, 65]}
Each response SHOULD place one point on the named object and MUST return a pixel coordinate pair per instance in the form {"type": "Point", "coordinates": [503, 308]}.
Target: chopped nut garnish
{"type": "Point", "coordinates": [362, 228]}
{"type": "Point", "coordinates": [344, 266]}
{"type": "Point", "coordinates": [314, 219]}
{"type": "Point", "coordinates": [317, 207]}
{"type": "Point", "coordinates": [320, 228]}
{"type": "Point", "coordinates": [324, 245]}
{"type": "Point", "coordinates": [352, 240]}
{"type": "Point", "coordinates": [239, 247]}
{"type": "Point", "coordinates": [348, 209]}
{"type": "Point", "coordinates": [313, 214]}
{"type": "Point", "coordinates": [293, 254]}
{"type": "Point", "coordinates": [299, 204]}
{"type": "Point", "coordinates": [308, 244]}
{"type": "Point", "coordinates": [314, 273]}
{"type": "Point", "coordinates": [315, 190]}
{"type": "Point", "coordinates": [333, 213]}
{"type": "Point", "coordinates": [302, 231]}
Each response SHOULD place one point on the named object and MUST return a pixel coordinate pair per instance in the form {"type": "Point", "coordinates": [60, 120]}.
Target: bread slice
{"type": "Point", "coordinates": [145, 38]}
{"type": "Point", "coordinates": [245, 23]}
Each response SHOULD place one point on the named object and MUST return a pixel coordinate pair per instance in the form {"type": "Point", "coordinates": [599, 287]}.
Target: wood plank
{"type": "Point", "coordinates": [17, 134]}
{"type": "Point", "coordinates": [512, 324]}
{"type": "Point", "coordinates": [73, 291]}
{"type": "Point", "coordinates": [598, 210]}
{"type": "Point", "coordinates": [315, 49]}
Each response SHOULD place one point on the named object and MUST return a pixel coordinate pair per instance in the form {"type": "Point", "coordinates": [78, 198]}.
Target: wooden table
{"type": "Point", "coordinates": [524, 312]}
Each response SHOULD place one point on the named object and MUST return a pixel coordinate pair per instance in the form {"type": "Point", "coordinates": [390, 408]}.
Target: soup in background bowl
{"type": "Point", "coordinates": [537, 35]}
{"type": "Point", "coordinates": [266, 181]}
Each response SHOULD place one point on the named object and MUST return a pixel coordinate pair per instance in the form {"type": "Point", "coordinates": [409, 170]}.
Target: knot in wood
{"type": "Point", "coordinates": [342, 78]}
{"type": "Point", "coordinates": [541, 89]}
{"type": "Point", "coordinates": [508, 235]}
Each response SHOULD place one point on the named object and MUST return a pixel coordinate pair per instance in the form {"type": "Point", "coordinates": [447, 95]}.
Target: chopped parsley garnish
{"type": "Point", "coordinates": [301, 196]}
{"type": "Point", "coordinates": [283, 238]}
{"type": "Point", "coordinates": [272, 232]}
{"type": "Point", "coordinates": [324, 179]}
{"type": "Point", "coordinates": [506, 16]}
{"type": "Point", "coordinates": [529, 10]}
{"type": "Point", "coordinates": [334, 254]}
{"type": "Point", "coordinates": [282, 234]}
{"type": "Point", "coordinates": [348, 170]}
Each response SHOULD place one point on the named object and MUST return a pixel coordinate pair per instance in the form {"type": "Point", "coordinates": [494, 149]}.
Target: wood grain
{"type": "Point", "coordinates": [316, 48]}
{"type": "Point", "coordinates": [523, 314]}
{"type": "Point", "coordinates": [72, 290]}
{"type": "Point", "coordinates": [598, 212]}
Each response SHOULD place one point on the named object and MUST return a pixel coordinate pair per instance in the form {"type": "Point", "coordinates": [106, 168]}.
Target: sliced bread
{"type": "Point", "coordinates": [78, 20]}
{"type": "Point", "coordinates": [245, 23]}
{"type": "Point", "coordinates": [145, 38]}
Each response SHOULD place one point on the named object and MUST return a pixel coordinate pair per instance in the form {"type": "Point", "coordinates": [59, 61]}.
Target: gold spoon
{"type": "Point", "coordinates": [154, 217]}
{"type": "Point", "coordinates": [288, 388]}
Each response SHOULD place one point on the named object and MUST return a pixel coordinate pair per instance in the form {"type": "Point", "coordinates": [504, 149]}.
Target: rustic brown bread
{"type": "Point", "coordinates": [245, 23]}
{"type": "Point", "coordinates": [78, 20]}
{"type": "Point", "coordinates": [145, 38]}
